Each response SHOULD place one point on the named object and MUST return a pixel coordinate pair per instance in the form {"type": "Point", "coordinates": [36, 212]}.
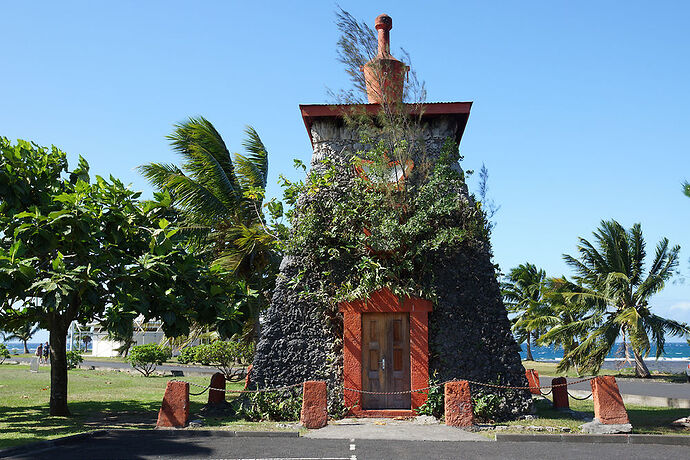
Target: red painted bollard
{"type": "Point", "coordinates": [559, 390]}
{"type": "Point", "coordinates": [608, 403]}
{"type": "Point", "coordinates": [217, 396]}
{"type": "Point", "coordinates": [174, 411]}
{"type": "Point", "coordinates": [458, 404]}
{"type": "Point", "coordinates": [248, 378]}
{"type": "Point", "coordinates": [533, 381]}
{"type": "Point", "coordinates": [314, 404]}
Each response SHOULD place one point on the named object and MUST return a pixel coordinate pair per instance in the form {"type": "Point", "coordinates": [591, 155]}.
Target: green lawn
{"type": "Point", "coordinates": [549, 369]}
{"type": "Point", "coordinates": [109, 399]}
{"type": "Point", "coordinates": [97, 399]}
{"type": "Point", "coordinates": [648, 420]}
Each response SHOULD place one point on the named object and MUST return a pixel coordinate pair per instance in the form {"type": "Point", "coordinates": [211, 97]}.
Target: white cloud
{"type": "Point", "coordinates": [680, 306]}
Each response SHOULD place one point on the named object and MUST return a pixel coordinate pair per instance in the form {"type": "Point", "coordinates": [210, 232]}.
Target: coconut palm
{"type": "Point", "coordinates": [565, 318]}
{"type": "Point", "coordinates": [523, 294]}
{"type": "Point", "coordinates": [22, 333]}
{"type": "Point", "coordinates": [220, 197]}
{"type": "Point", "coordinates": [610, 275]}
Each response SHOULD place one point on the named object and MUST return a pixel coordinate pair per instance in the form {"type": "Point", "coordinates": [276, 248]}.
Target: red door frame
{"type": "Point", "coordinates": [384, 301]}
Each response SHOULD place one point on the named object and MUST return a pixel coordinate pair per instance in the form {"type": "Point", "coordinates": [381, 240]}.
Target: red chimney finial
{"type": "Point", "coordinates": [384, 24]}
{"type": "Point", "coordinates": [384, 75]}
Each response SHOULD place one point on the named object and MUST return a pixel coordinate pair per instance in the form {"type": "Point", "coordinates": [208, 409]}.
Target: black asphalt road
{"type": "Point", "coordinates": [119, 365]}
{"type": "Point", "coordinates": [636, 387]}
{"type": "Point", "coordinates": [155, 444]}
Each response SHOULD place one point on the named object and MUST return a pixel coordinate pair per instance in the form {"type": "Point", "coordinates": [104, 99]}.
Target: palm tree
{"type": "Point", "coordinates": [610, 275]}
{"type": "Point", "coordinates": [523, 293]}
{"type": "Point", "coordinates": [23, 334]}
{"type": "Point", "coordinates": [220, 197]}
{"type": "Point", "coordinates": [564, 319]}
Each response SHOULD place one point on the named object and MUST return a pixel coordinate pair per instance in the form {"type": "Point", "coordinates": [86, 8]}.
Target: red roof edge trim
{"type": "Point", "coordinates": [458, 110]}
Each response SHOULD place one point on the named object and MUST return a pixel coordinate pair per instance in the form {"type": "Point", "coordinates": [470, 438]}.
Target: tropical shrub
{"type": "Point", "coordinates": [435, 401]}
{"type": "Point", "coordinates": [276, 406]}
{"type": "Point", "coordinates": [145, 358]}
{"type": "Point", "coordinates": [74, 359]}
{"type": "Point", "coordinates": [485, 405]}
{"type": "Point", "coordinates": [187, 355]}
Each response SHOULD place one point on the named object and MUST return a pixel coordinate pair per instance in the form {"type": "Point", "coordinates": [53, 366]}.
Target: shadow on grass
{"type": "Point", "coordinates": [32, 423]}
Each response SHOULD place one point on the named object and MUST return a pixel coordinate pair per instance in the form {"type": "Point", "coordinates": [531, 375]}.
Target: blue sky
{"type": "Point", "coordinates": [581, 110]}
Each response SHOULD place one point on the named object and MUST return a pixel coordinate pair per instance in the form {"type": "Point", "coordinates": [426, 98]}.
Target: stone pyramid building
{"type": "Point", "coordinates": [385, 343]}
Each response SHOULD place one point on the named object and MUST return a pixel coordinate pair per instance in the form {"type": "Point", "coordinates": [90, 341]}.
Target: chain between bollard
{"type": "Point", "coordinates": [418, 390]}
{"type": "Point", "coordinates": [225, 390]}
{"type": "Point", "coordinates": [580, 399]}
{"type": "Point", "coordinates": [472, 382]}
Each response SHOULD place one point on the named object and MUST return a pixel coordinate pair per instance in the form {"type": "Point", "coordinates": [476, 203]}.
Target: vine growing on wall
{"type": "Point", "coordinates": [364, 223]}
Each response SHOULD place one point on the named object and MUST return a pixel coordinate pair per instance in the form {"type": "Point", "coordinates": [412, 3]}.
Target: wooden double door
{"type": "Point", "coordinates": [386, 359]}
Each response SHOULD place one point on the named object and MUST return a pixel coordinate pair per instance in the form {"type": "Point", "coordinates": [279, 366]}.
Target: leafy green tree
{"type": "Point", "coordinates": [523, 293]}
{"type": "Point", "coordinates": [610, 274]}
{"type": "Point", "coordinates": [221, 197]}
{"type": "Point", "coordinates": [686, 188]}
{"type": "Point", "coordinates": [23, 333]}
{"type": "Point", "coordinates": [229, 357]}
{"type": "Point", "coordinates": [145, 358]}
{"type": "Point", "coordinates": [76, 250]}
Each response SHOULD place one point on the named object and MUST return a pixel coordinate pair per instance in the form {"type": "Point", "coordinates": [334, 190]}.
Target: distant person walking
{"type": "Point", "coordinates": [46, 353]}
{"type": "Point", "coordinates": [39, 352]}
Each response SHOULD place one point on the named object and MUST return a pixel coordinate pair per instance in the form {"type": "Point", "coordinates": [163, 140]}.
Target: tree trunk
{"type": "Point", "coordinates": [640, 367]}
{"type": "Point", "coordinates": [26, 349]}
{"type": "Point", "coordinates": [58, 369]}
{"type": "Point", "coordinates": [528, 355]}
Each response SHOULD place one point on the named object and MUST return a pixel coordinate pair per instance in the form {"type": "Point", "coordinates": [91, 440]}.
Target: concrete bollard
{"type": "Point", "coordinates": [560, 393]}
{"type": "Point", "coordinates": [533, 381]}
{"type": "Point", "coordinates": [608, 403]}
{"type": "Point", "coordinates": [458, 404]}
{"type": "Point", "coordinates": [215, 396]}
{"type": "Point", "coordinates": [314, 404]}
{"type": "Point", "coordinates": [174, 411]}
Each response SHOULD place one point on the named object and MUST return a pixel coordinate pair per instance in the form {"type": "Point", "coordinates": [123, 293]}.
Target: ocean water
{"type": "Point", "coordinates": [19, 347]}
{"type": "Point", "coordinates": [672, 352]}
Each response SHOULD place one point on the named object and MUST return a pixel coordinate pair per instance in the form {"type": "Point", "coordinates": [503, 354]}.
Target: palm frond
{"type": "Point", "coordinates": [637, 253]}
{"type": "Point", "coordinates": [198, 132]}
{"type": "Point", "coordinates": [253, 168]}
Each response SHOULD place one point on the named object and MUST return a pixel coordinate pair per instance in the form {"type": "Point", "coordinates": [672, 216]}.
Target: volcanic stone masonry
{"type": "Point", "coordinates": [468, 332]}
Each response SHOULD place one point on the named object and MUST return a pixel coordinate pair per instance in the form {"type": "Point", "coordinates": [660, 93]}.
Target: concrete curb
{"type": "Point", "coordinates": [668, 440]}
{"type": "Point", "coordinates": [43, 445]}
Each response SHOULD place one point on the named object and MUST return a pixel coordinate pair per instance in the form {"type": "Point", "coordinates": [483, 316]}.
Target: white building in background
{"type": "Point", "coordinates": [145, 332]}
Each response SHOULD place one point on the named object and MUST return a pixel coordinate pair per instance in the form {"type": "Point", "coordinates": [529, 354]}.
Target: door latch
{"type": "Point", "coordinates": [383, 363]}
